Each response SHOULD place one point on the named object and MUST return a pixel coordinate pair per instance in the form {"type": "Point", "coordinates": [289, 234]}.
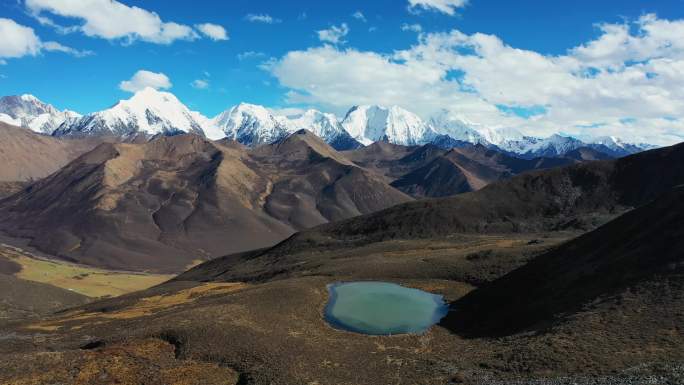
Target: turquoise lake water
{"type": "Point", "coordinates": [382, 308]}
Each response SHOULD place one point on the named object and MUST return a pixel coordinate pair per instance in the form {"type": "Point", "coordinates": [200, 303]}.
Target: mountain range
{"type": "Point", "coordinates": [577, 197]}
{"type": "Point", "coordinates": [27, 111]}
{"type": "Point", "coordinates": [150, 112]}
{"type": "Point", "coordinates": [162, 203]}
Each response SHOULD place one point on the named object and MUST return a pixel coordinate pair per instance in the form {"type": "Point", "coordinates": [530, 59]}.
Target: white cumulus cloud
{"type": "Point", "coordinates": [18, 40]}
{"type": "Point", "coordinates": [448, 7]}
{"type": "Point", "coordinates": [112, 20]}
{"type": "Point", "coordinates": [143, 79]}
{"type": "Point", "coordinates": [57, 47]}
{"type": "Point", "coordinates": [213, 31]}
{"type": "Point", "coordinates": [334, 34]}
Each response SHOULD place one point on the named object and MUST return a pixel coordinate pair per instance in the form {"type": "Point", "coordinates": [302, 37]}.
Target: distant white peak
{"type": "Point", "coordinates": [456, 127]}
{"type": "Point", "coordinates": [28, 111]}
{"type": "Point", "coordinates": [72, 114]}
{"type": "Point", "coordinates": [371, 123]}
{"type": "Point", "coordinates": [251, 124]}
{"type": "Point", "coordinates": [243, 112]}
{"type": "Point", "coordinates": [312, 116]}
{"type": "Point", "coordinates": [152, 97]}
{"type": "Point", "coordinates": [501, 135]}
{"type": "Point", "coordinates": [29, 98]}
{"type": "Point", "coordinates": [253, 109]}
{"type": "Point", "coordinates": [324, 125]}
{"type": "Point", "coordinates": [609, 141]}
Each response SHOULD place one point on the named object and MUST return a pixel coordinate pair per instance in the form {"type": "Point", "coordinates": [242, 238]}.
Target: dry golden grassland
{"type": "Point", "coordinates": [89, 281]}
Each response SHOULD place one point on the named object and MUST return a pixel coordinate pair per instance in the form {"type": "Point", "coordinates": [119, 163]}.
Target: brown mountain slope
{"type": "Point", "coordinates": [579, 196]}
{"type": "Point", "coordinates": [575, 198]}
{"type": "Point", "coordinates": [586, 153]}
{"type": "Point", "coordinates": [439, 178]}
{"type": "Point", "coordinates": [160, 205]}
{"type": "Point", "coordinates": [625, 264]}
{"type": "Point", "coordinates": [393, 160]}
{"type": "Point", "coordinates": [26, 156]}
{"type": "Point", "coordinates": [466, 169]}
{"type": "Point", "coordinates": [313, 184]}
{"type": "Point", "coordinates": [163, 204]}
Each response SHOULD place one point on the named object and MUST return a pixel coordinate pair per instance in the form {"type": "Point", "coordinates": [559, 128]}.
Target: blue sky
{"type": "Point", "coordinates": [260, 59]}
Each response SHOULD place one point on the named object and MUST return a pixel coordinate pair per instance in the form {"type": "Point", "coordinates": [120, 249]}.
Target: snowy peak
{"type": "Point", "coordinates": [25, 104]}
{"type": "Point", "coordinates": [325, 126]}
{"type": "Point", "coordinates": [250, 124]}
{"type": "Point", "coordinates": [368, 124]}
{"type": "Point", "coordinates": [616, 147]}
{"type": "Point", "coordinates": [555, 145]}
{"type": "Point", "coordinates": [455, 128]}
{"type": "Point", "coordinates": [150, 97]}
{"type": "Point", "coordinates": [148, 112]}
{"type": "Point", "coordinates": [30, 112]}
{"type": "Point", "coordinates": [322, 124]}
{"type": "Point", "coordinates": [254, 125]}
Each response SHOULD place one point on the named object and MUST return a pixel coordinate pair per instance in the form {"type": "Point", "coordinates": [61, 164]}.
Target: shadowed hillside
{"type": "Point", "coordinates": [22, 299]}
{"type": "Point", "coordinates": [574, 197]}
{"type": "Point", "coordinates": [625, 263]}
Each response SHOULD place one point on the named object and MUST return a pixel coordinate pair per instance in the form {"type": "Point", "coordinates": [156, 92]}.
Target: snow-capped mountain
{"type": "Point", "coordinates": [445, 124]}
{"type": "Point", "coordinates": [250, 124]}
{"type": "Point", "coordinates": [148, 112]}
{"type": "Point", "coordinates": [616, 147]}
{"type": "Point", "coordinates": [533, 147]}
{"type": "Point", "coordinates": [514, 142]}
{"type": "Point", "coordinates": [29, 112]}
{"type": "Point", "coordinates": [368, 124]}
{"type": "Point", "coordinates": [253, 125]}
{"type": "Point", "coordinates": [554, 145]}
{"type": "Point", "coordinates": [325, 126]}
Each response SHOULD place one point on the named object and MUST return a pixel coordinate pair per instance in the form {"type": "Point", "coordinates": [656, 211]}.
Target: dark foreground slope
{"type": "Point", "coordinates": [264, 330]}
{"type": "Point", "coordinates": [163, 204]}
{"type": "Point", "coordinates": [21, 299]}
{"type": "Point", "coordinates": [635, 261]}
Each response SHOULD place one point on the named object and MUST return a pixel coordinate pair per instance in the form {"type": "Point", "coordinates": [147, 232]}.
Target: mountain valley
{"type": "Point", "coordinates": [189, 255]}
